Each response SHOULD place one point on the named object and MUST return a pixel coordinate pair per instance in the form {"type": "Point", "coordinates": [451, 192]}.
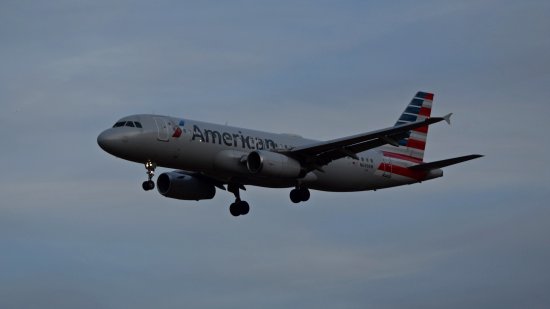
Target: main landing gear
{"type": "Point", "coordinates": [149, 184]}
{"type": "Point", "coordinates": [238, 208]}
{"type": "Point", "coordinates": [300, 194]}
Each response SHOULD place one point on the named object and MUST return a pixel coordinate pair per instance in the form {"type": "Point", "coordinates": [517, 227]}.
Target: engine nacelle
{"type": "Point", "coordinates": [184, 187]}
{"type": "Point", "coordinates": [267, 163]}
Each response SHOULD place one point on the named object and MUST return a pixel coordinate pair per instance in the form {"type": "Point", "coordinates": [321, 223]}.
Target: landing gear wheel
{"type": "Point", "coordinates": [244, 207]}
{"type": "Point", "coordinates": [304, 194]}
{"type": "Point", "coordinates": [299, 195]}
{"type": "Point", "coordinates": [234, 210]}
{"type": "Point", "coordinates": [295, 196]}
{"type": "Point", "coordinates": [239, 208]}
{"type": "Point", "coordinates": [148, 185]}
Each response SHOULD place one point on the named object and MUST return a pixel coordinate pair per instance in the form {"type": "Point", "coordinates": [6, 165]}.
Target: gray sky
{"type": "Point", "coordinates": [77, 231]}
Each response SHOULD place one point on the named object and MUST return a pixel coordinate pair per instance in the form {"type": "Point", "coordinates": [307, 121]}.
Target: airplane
{"type": "Point", "coordinates": [209, 156]}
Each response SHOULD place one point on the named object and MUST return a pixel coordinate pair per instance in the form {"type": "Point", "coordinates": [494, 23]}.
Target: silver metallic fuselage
{"type": "Point", "coordinates": [217, 151]}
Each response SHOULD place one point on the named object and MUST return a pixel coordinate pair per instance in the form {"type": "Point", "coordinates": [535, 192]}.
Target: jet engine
{"type": "Point", "coordinates": [183, 186]}
{"type": "Point", "coordinates": [272, 164]}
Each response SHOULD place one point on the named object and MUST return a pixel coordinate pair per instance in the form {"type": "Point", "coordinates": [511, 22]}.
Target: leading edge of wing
{"type": "Point", "coordinates": [374, 138]}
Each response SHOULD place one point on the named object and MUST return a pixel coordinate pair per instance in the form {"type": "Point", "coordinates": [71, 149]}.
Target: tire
{"type": "Point", "coordinates": [148, 185]}
{"type": "Point", "coordinates": [244, 208]}
{"type": "Point", "coordinates": [304, 194]}
{"type": "Point", "coordinates": [295, 196]}
{"type": "Point", "coordinates": [234, 210]}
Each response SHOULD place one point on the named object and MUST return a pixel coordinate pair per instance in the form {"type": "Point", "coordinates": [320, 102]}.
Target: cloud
{"type": "Point", "coordinates": [79, 232]}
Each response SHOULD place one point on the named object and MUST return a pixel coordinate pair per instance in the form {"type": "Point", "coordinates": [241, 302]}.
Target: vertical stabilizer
{"type": "Point", "coordinates": [412, 147]}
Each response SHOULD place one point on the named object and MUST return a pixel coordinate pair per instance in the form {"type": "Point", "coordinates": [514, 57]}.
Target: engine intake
{"type": "Point", "coordinates": [184, 187]}
{"type": "Point", "coordinates": [267, 163]}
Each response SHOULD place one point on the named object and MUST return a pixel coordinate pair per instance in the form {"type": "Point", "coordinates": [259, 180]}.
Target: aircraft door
{"type": "Point", "coordinates": [163, 126]}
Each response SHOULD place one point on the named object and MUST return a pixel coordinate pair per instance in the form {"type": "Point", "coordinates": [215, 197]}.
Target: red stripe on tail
{"type": "Point", "coordinates": [429, 96]}
{"type": "Point", "coordinates": [416, 144]}
{"type": "Point", "coordinates": [423, 129]}
{"type": "Point", "coordinates": [403, 171]}
{"type": "Point", "coordinates": [402, 157]}
{"type": "Point", "coordinates": [424, 111]}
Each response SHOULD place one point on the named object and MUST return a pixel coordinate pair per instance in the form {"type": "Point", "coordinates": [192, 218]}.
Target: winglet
{"type": "Point", "coordinates": [448, 118]}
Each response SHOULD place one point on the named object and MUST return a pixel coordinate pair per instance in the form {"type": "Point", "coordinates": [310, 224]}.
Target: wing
{"type": "Point", "coordinates": [318, 154]}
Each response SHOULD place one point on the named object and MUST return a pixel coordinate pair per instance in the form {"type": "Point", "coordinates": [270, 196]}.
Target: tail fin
{"type": "Point", "coordinates": [412, 147]}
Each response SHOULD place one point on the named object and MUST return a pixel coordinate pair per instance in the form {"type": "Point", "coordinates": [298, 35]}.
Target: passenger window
{"type": "Point", "coordinates": [129, 124]}
{"type": "Point", "coordinates": [118, 124]}
{"type": "Point", "coordinates": [138, 125]}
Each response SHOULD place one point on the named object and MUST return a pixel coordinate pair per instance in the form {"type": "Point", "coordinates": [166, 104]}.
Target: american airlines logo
{"type": "Point", "coordinates": [178, 130]}
{"type": "Point", "coordinates": [232, 139]}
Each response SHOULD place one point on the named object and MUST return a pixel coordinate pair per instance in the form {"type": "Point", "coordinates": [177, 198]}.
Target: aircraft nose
{"type": "Point", "coordinates": [103, 140]}
{"type": "Point", "coordinates": [110, 141]}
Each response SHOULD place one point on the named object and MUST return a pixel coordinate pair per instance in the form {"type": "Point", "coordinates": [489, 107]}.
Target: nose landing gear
{"type": "Point", "coordinates": [149, 184]}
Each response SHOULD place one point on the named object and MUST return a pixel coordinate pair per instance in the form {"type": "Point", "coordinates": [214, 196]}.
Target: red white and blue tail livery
{"type": "Point", "coordinates": [413, 146]}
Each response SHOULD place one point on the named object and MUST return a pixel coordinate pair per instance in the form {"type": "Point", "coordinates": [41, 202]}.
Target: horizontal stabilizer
{"type": "Point", "coordinates": [443, 163]}
{"type": "Point", "coordinates": [448, 118]}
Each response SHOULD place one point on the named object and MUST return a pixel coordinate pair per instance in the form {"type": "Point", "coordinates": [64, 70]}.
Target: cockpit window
{"type": "Point", "coordinates": [133, 124]}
